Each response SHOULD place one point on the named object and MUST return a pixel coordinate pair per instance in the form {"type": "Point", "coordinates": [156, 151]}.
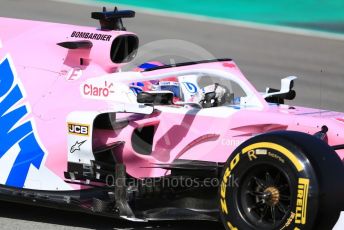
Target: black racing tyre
{"type": "Point", "coordinates": [282, 180]}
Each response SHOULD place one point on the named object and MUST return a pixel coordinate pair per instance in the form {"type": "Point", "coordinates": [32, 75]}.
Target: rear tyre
{"type": "Point", "coordinates": [281, 180]}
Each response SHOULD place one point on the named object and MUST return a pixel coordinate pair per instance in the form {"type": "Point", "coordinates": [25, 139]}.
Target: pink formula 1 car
{"type": "Point", "coordinates": [192, 141]}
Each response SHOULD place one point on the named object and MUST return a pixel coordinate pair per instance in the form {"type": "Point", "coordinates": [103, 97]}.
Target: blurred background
{"type": "Point", "coordinates": [322, 15]}
{"type": "Point", "coordinates": [268, 39]}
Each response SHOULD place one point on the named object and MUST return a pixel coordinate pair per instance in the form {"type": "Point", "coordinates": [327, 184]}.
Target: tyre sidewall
{"type": "Point", "coordinates": [303, 200]}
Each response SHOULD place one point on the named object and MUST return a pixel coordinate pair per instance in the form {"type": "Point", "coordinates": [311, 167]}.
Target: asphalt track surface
{"type": "Point", "coordinates": [263, 56]}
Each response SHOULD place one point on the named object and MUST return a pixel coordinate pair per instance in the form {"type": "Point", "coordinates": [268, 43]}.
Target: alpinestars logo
{"type": "Point", "coordinates": [76, 146]}
{"type": "Point", "coordinates": [16, 132]}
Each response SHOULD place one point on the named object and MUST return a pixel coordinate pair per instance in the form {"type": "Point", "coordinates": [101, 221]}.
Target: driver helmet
{"type": "Point", "coordinates": [151, 85]}
{"type": "Point", "coordinates": [169, 84]}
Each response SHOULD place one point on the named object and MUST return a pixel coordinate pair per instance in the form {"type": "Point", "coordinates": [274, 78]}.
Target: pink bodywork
{"type": "Point", "coordinates": [43, 68]}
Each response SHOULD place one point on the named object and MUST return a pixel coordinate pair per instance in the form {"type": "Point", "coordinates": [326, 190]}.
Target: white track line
{"type": "Point", "coordinates": [208, 19]}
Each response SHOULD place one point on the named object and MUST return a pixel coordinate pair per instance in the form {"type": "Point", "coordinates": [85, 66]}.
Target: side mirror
{"type": "Point", "coordinates": [155, 98]}
{"type": "Point", "coordinates": [287, 84]}
{"type": "Point", "coordinates": [285, 93]}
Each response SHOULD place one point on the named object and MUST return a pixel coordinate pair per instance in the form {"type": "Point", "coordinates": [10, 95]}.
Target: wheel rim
{"type": "Point", "coordinates": [265, 196]}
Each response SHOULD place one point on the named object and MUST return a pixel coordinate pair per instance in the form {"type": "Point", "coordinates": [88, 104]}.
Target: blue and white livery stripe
{"type": "Point", "coordinates": [16, 132]}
